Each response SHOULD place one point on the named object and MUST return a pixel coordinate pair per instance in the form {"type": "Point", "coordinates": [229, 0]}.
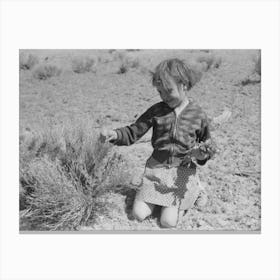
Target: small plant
{"type": "Point", "coordinates": [132, 50]}
{"type": "Point", "coordinates": [206, 59]}
{"type": "Point", "coordinates": [255, 76]}
{"type": "Point", "coordinates": [46, 71]}
{"type": "Point", "coordinates": [134, 63]}
{"type": "Point", "coordinates": [205, 50]}
{"type": "Point", "coordinates": [127, 63]}
{"type": "Point", "coordinates": [27, 61]}
{"type": "Point", "coordinates": [250, 80]}
{"type": "Point", "coordinates": [217, 62]}
{"type": "Point", "coordinates": [257, 64]}
{"type": "Point", "coordinates": [82, 64]}
{"type": "Point", "coordinates": [209, 61]}
{"type": "Point", "coordinates": [123, 69]}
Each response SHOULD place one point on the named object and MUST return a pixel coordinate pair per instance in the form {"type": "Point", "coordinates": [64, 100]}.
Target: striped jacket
{"type": "Point", "coordinates": [173, 136]}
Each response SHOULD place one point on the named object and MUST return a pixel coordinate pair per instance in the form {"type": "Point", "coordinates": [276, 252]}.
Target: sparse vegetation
{"type": "Point", "coordinates": [27, 61]}
{"type": "Point", "coordinates": [206, 59]}
{"type": "Point", "coordinates": [205, 50]}
{"type": "Point", "coordinates": [250, 80]}
{"type": "Point", "coordinates": [257, 64]}
{"type": "Point", "coordinates": [132, 50]}
{"type": "Point", "coordinates": [255, 76]}
{"type": "Point", "coordinates": [62, 172]}
{"type": "Point", "coordinates": [217, 62]}
{"type": "Point", "coordinates": [123, 69]}
{"type": "Point", "coordinates": [45, 71]}
{"type": "Point", "coordinates": [209, 61]}
{"type": "Point", "coordinates": [127, 63]}
{"type": "Point", "coordinates": [83, 64]}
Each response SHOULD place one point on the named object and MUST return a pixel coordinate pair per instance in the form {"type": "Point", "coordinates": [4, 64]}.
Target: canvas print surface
{"type": "Point", "coordinates": [140, 140]}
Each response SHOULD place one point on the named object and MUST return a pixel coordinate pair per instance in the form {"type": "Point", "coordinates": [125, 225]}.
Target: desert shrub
{"type": "Point", "coordinates": [123, 69]}
{"type": "Point", "coordinates": [257, 64]}
{"type": "Point", "coordinates": [205, 50]}
{"type": "Point", "coordinates": [217, 62]}
{"type": "Point", "coordinates": [127, 63]}
{"type": "Point", "coordinates": [132, 50]}
{"type": "Point", "coordinates": [254, 77]}
{"type": "Point", "coordinates": [209, 61]}
{"type": "Point", "coordinates": [27, 61]}
{"type": "Point", "coordinates": [82, 64]}
{"type": "Point", "coordinates": [206, 59]}
{"type": "Point", "coordinates": [133, 63]}
{"type": "Point", "coordinates": [46, 71]}
{"type": "Point", "coordinates": [62, 172]}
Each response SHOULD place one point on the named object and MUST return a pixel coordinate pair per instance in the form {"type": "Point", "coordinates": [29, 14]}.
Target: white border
{"type": "Point", "coordinates": [157, 24]}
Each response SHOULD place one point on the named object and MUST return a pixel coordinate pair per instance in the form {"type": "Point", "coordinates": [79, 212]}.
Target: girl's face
{"type": "Point", "coordinates": [174, 95]}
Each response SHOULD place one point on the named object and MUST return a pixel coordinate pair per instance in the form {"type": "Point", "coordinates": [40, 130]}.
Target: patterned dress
{"type": "Point", "coordinates": [170, 177]}
{"type": "Point", "coordinates": [171, 187]}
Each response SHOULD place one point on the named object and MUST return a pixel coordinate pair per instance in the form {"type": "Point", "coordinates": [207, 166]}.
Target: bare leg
{"type": "Point", "coordinates": [142, 209]}
{"type": "Point", "coordinates": [169, 216]}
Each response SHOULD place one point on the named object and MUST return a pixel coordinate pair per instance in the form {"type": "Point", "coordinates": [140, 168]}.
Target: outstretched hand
{"type": "Point", "coordinates": [107, 135]}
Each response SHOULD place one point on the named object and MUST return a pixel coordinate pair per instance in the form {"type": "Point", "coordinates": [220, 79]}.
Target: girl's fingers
{"type": "Point", "coordinates": [109, 138]}
{"type": "Point", "coordinates": [106, 136]}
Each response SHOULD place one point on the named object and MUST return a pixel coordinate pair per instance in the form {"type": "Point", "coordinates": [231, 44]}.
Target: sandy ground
{"type": "Point", "coordinates": [104, 97]}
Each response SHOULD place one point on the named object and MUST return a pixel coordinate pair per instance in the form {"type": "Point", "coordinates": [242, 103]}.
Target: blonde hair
{"type": "Point", "coordinates": [176, 70]}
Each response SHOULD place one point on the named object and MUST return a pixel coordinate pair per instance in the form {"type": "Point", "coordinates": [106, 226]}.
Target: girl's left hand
{"type": "Point", "coordinates": [199, 154]}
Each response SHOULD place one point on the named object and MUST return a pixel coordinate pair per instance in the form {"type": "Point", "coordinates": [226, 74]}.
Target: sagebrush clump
{"type": "Point", "coordinates": [257, 64]}
{"type": "Point", "coordinates": [209, 61]}
{"type": "Point", "coordinates": [83, 64]}
{"type": "Point", "coordinates": [27, 61]}
{"type": "Point", "coordinates": [62, 172]}
{"type": "Point", "coordinates": [126, 62]}
{"type": "Point", "coordinates": [45, 71]}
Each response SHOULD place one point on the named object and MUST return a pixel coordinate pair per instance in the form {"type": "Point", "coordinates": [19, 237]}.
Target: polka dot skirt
{"type": "Point", "coordinates": [171, 187]}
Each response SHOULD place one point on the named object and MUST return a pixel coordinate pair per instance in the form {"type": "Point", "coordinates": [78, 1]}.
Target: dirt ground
{"type": "Point", "coordinates": [107, 98]}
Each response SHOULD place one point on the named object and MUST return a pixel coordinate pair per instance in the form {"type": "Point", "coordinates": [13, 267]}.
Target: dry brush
{"type": "Point", "coordinates": [62, 172]}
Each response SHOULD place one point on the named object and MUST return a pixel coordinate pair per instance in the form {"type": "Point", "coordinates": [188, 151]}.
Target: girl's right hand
{"type": "Point", "coordinates": [107, 135]}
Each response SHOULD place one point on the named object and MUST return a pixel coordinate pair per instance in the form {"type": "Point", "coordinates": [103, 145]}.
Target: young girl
{"type": "Point", "coordinates": [179, 130]}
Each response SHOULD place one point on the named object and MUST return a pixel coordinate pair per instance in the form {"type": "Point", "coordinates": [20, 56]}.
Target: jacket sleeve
{"type": "Point", "coordinates": [203, 136]}
{"type": "Point", "coordinates": [130, 134]}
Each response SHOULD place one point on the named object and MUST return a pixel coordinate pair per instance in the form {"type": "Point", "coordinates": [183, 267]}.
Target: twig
{"type": "Point", "coordinates": [248, 173]}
